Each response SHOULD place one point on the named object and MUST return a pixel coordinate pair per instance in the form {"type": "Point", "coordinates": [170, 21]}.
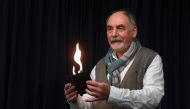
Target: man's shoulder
{"type": "Point", "coordinates": [145, 56]}
{"type": "Point", "coordinates": [101, 61]}
{"type": "Point", "coordinates": [148, 50]}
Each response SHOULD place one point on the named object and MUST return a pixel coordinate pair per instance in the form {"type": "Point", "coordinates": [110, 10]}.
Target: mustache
{"type": "Point", "coordinates": [116, 39]}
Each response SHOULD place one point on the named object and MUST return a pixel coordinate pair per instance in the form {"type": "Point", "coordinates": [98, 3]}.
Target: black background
{"type": "Point", "coordinates": [38, 37]}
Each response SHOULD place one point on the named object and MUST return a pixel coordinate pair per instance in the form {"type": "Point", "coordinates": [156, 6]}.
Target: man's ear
{"type": "Point", "coordinates": [134, 32]}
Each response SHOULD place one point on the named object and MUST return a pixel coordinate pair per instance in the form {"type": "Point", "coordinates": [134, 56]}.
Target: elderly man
{"type": "Point", "coordinates": [128, 77]}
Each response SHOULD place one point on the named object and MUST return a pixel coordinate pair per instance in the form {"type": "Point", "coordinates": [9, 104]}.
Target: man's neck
{"type": "Point", "coordinates": [121, 52]}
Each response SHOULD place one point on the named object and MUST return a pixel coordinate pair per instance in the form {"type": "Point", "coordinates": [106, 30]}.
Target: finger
{"type": "Point", "coordinates": [73, 99]}
{"type": "Point", "coordinates": [92, 83]}
{"type": "Point", "coordinates": [69, 90]}
{"type": "Point", "coordinates": [67, 86]}
{"type": "Point", "coordinates": [94, 89]}
{"type": "Point", "coordinates": [92, 93]}
{"type": "Point", "coordinates": [70, 95]}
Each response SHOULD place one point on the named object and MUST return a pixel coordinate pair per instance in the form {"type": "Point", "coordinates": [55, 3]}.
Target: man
{"type": "Point", "coordinates": [128, 77]}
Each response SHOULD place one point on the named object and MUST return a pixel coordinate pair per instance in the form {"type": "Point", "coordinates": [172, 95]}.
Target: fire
{"type": "Point", "coordinates": [77, 58]}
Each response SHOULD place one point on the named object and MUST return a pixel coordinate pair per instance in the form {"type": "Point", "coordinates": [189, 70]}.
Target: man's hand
{"type": "Point", "coordinates": [70, 93]}
{"type": "Point", "coordinates": [99, 90]}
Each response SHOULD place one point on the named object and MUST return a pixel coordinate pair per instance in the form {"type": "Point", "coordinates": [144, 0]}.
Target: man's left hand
{"type": "Point", "coordinates": [99, 90]}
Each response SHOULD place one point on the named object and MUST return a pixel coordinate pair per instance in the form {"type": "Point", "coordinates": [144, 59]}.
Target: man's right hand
{"type": "Point", "coordinates": [70, 93]}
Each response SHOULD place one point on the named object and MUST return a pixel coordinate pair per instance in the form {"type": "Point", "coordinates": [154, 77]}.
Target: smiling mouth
{"type": "Point", "coordinates": [116, 41]}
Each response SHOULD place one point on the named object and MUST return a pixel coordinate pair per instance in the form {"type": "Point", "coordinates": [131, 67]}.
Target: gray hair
{"type": "Point", "coordinates": [131, 17]}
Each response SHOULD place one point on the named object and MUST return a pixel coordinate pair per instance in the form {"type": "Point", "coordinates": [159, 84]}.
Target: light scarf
{"type": "Point", "coordinates": [115, 67]}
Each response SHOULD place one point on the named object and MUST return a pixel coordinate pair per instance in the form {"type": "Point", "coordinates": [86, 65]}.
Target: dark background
{"type": "Point", "coordinates": [38, 37]}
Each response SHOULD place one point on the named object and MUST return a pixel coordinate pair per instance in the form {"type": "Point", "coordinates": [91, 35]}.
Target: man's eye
{"type": "Point", "coordinates": [120, 28]}
{"type": "Point", "coordinates": [108, 29]}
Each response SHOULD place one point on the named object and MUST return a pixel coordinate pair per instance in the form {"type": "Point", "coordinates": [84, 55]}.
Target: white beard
{"type": "Point", "coordinates": [122, 47]}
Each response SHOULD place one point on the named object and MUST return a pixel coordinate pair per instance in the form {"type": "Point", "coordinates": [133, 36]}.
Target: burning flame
{"type": "Point", "coordinates": [77, 58]}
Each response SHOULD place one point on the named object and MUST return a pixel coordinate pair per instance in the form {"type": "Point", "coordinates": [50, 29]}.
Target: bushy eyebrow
{"type": "Point", "coordinates": [108, 27]}
{"type": "Point", "coordinates": [121, 25]}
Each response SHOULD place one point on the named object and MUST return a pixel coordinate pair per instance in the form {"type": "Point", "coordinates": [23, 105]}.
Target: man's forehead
{"type": "Point", "coordinates": [117, 19]}
{"type": "Point", "coordinates": [117, 22]}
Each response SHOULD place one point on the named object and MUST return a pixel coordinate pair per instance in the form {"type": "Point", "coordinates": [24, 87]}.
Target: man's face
{"type": "Point", "coordinates": [120, 32]}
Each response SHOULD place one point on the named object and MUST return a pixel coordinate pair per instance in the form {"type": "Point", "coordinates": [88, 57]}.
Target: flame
{"type": "Point", "coordinates": [77, 58]}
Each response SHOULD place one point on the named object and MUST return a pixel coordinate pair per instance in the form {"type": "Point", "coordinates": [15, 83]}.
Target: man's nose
{"type": "Point", "coordinates": [114, 33]}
